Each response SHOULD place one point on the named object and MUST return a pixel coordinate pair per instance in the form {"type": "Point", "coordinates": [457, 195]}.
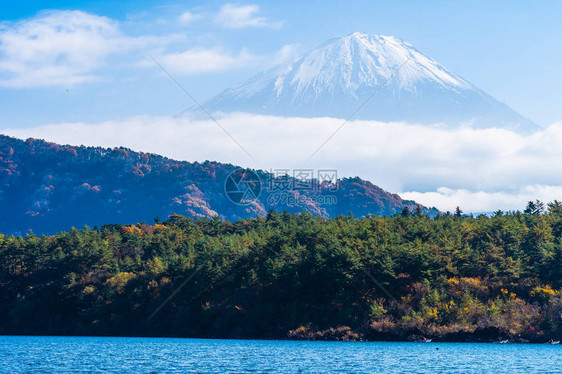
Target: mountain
{"type": "Point", "coordinates": [334, 80]}
{"type": "Point", "coordinates": [46, 187]}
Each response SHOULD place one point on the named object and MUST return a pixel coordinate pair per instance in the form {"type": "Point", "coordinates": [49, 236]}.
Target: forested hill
{"type": "Point", "coordinates": [46, 187]}
{"type": "Point", "coordinates": [286, 276]}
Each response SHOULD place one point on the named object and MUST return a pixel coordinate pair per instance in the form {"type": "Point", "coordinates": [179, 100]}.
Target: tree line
{"type": "Point", "coordinates": [404, 277]}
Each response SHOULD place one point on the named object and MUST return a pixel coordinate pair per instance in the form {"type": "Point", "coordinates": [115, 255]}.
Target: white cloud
{"type": "Point", "coordinates": [479, 170]}
{"type": "Point", "coordinates": [483, 201]}
{"type": "Point", "coordinates": [65, 48]}
{"type": "Point", "coordinates": [188, 17]}
{"type": "Point", "coordinates": [58, 48]}
{"type": "Point", "coordinates": [206, 60]}
{"type": "Point", "coordinates": [199, 60]}
{"type": "Point", "coordinates": [287, 53]}
{"type": "Point", "coordinates": [237, 17]}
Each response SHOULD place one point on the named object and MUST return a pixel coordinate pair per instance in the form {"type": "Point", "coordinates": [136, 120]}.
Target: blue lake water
{"type": "Point", "coordinates": [167, 355]}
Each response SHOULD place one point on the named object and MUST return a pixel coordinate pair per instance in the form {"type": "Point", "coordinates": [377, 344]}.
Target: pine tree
{"type": "Point", "coordinates": [405, 212]}
{"type": "Point", "coordinates": [458, 212]}
{"type": "Point", "coordinates": [534, 208]}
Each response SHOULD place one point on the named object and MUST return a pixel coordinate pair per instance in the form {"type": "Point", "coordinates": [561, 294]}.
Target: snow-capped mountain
{"type": "Point", "coordinates": [334, 80]}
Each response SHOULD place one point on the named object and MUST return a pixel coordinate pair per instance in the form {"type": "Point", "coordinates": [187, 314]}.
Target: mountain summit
{"type": "Point", "coordinates": [334, 79]}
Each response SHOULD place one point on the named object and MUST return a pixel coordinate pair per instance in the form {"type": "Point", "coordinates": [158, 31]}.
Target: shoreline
{"type": "Point", "coordinates": [432, 340]}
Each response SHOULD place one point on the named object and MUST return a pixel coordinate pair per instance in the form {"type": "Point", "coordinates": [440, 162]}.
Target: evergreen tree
{"type": "Point", "coordinates": [405, 212]}
{"type": "Point", "coordinates": [555, 207]}
{"type": "Point", "coordinates": [458, 212]}
{"type": "Point", "coordinates": [534, 208]}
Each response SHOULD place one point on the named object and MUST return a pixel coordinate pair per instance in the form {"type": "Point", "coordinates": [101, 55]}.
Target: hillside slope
{"type": "Point", "coordinates": [46, 187]}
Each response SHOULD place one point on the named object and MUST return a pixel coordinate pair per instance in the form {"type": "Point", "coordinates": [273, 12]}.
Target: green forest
{"type": "Point", "coordinates": [293, 276]}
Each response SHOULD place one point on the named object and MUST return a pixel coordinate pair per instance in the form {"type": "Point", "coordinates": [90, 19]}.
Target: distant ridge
{"type": "Point", "coordinates": [47, 187]}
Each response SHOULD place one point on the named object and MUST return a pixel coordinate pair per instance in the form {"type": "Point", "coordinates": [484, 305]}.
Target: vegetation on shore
{"type": "Point", "coordinates": [293, 276]}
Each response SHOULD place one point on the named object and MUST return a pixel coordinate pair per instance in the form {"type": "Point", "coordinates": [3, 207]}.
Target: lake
{"type": "Point", "coordinates": [171, 355]}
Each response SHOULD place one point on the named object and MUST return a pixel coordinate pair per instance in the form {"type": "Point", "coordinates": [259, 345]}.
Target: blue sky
{"type": "Point", "coordinates": [509, 49]}
{"type": "Point", "coordinates": [79, 72]}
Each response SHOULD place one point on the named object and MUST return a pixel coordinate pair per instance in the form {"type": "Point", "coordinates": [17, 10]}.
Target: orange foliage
{"type": "Point", "coordinates": [132, 230]}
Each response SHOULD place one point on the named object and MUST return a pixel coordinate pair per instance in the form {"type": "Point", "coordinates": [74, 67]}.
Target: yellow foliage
{"type": "Point", "coordinates": [119, 281]}
{"type": "Point", "coordinates": [156, 266]}
{"type": "Point", "coordinates": [152, 285]}
{"type": "Point", "coordinates": [432, 313]}
{"type": "Point", "coordinates": [474, 282]}
{"type": "Point", "coordinates": [132, 230]}
{"type": "Point", "coordinates": [300, 329]}
{"type": "Point", "coordinates": [544, 292]}
{"type": "Point", "coordinates": [377, 309]}
{"type": "Point", "coordinates": [88, 290]}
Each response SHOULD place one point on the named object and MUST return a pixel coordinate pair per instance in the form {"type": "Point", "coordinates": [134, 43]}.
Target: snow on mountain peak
{"type": "Point", "coordinates": [361, 59]}
{"type": "Point", "coordinates": [339, 75]}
